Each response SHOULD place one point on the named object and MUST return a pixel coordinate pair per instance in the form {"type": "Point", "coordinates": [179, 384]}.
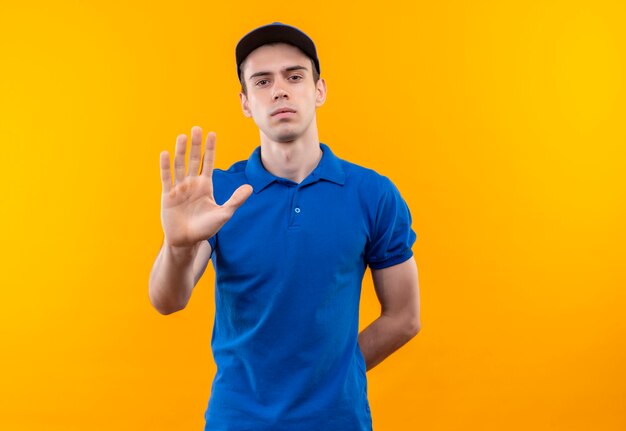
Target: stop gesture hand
{"type": "Point", "coordinates": [189, 213]}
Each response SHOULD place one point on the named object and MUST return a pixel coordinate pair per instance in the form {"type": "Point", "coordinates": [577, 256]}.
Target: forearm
{"type": "Point", "coordinates": [384, 336]}
{"type": "Point", "coordinates": [171, 278]}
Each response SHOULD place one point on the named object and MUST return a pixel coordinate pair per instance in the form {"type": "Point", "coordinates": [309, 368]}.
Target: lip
{"type": "Point", "coordinates": [285, 114]}
{"type": "Point", "coordinates": [284, 111]}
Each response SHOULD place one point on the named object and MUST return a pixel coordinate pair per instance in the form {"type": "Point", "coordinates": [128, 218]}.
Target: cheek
{"type": "Point", "coordinates": [255, 111]}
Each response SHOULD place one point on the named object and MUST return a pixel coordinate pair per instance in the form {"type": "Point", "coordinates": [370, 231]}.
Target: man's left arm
{"type": "Point", "coordinates": [397, 288]}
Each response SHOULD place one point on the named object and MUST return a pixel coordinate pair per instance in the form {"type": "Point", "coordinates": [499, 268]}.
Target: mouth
{"type": "Point", "coordinates": [283, 112]}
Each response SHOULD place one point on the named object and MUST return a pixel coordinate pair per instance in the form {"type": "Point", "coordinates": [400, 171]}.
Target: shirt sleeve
{"type": "Point", "coordinates": [219, 199]}
{"type": "Point", "coordinates": [392, 236]}
{"type": "Point", "coordinates": [212, 242]}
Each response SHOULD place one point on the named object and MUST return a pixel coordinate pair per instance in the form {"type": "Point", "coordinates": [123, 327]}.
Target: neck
{"type": "Point", "coordinates": [293, 160]}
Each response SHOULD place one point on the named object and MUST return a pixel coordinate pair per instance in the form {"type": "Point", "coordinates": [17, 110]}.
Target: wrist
{"type": "Point", "coordinates": [181, 252]}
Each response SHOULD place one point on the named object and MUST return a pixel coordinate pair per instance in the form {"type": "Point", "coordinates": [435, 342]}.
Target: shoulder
{"type": "Point", "coordinates": [225, 181]}
{"type": "Point", "coordinates": [234, 170]}
{"type": "Point", "coordinates": [367, 180]}
{"type": "Point", "coordinates": [375, 192]}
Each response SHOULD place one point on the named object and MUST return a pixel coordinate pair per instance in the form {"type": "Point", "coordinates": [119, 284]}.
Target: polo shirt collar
{"type": "Point", "coordinates": [329, 168]}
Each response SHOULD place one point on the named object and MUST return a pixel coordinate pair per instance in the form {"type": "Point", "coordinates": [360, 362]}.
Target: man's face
{"type": "Point", "coordinates": [280, 77]}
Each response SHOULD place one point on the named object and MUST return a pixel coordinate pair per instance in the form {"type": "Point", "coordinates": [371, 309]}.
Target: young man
{"type": "Point", "coordinates": [291, 231]}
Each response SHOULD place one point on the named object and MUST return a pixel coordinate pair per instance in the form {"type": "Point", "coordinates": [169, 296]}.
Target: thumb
{"type": "Point", "coordinates": [238, 197]}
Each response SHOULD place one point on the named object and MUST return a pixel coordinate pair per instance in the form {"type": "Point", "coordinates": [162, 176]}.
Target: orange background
{"type": "Point", "coordinates": [502, 123]}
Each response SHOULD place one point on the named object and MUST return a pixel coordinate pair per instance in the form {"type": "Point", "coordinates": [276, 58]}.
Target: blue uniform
{"type": "Point", "coordinates": [289, 266]}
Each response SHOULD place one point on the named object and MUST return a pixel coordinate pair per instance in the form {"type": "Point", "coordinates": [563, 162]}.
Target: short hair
{"type": "Point", "coordinates": [244, 89]}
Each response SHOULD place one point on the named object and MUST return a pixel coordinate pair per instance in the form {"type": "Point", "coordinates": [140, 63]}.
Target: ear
{"type": "Point", "coordinates": [244, 105]}
{"type": "Point", "coordinates": [320, 92]}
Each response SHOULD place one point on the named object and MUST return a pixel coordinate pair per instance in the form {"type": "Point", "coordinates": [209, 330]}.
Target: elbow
{"type": "Point", "coordinates": [165, 311]}
{"type": "Point", "coordinates": [164, 308]}
{"type": "Point", "coordinates": [418, 328]}
{"type": "Point", "coordinates": [414, 328]}
{"type": "Point", "coordinates": [412, 325]}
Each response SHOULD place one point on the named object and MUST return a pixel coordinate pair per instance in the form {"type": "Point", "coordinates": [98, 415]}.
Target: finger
{"type": "Point", "coordinates": [195, 151]}
{"type": "Point", "coordinates": [238, 197]}
{"type": "Point", "coordinates": [166, 175]}
{"type": "Point", "coordinates": [209, 155]}
{"type": "Point", "coordinates": [179, 158]}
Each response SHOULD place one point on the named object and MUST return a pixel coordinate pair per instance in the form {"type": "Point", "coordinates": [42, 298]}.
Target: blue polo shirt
{"type": "Point", "coordinates": [289, 266]}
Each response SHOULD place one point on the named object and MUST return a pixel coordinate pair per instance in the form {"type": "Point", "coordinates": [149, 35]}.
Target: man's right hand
{"type": "Point", "coordinates": [189, 213]}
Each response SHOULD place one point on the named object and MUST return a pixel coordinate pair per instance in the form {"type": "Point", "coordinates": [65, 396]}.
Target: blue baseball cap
{"type": "Point", "coordinates": [274, 33]}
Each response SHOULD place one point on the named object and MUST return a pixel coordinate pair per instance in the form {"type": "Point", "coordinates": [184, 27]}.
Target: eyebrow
{"type": "Point", "coordinates": [287, 69]}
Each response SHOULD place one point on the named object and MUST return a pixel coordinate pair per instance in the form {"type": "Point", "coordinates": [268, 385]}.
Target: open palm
{"type": "Point", "coordinates": [189, 213]}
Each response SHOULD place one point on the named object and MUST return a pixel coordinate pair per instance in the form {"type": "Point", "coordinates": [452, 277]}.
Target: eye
{"type": "Point", "coordinates": [297, 77]}
{"type": "Point", "coordinates": [261, 81]}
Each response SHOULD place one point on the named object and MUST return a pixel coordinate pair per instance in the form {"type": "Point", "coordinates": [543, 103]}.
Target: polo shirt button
{"type": "Point", "coordinates": [297, 210]}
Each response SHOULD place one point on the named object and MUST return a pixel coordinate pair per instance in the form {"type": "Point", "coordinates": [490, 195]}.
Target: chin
{"type": "Point", "coordinates": [285, 136]}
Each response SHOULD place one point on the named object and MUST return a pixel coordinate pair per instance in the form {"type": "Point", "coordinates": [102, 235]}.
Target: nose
{"type": "Point", "coordinates": [280, 92]}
